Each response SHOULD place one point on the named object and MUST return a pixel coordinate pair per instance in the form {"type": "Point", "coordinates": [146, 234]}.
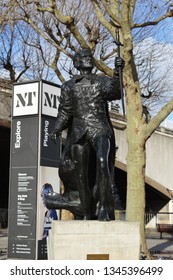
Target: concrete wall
{"type": "Point", "coordinates": [159, 166]}
{"type": "Point", "coordinates": [159, 156]}
{"type": "Point", "coordinates": [160, 159]}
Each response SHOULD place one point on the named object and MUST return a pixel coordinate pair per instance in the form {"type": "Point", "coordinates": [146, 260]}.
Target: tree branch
{"type": "Point", "coordinates": [132, 7]}
{"type": "Point", "coordinates": [68, 21]}
{"type": "Point", "coordinates": [154, 22]}
{"type": "Point", "coordinates": [102, 19]}
{"type": "Point", "coordinates": [113, 52]}
{"type": "Point", "coordinates": [54, 66]}
{"type": "Point", "coordinates": [36, 28]}
{"type": "Point", "coordinates": [155, 122]}
{"type": "Point", "coordinates": [113, 16]}
{"type": "Point", "coordinates": [21, 73]}
{"type": "Point", "coordinates": [103, 67]}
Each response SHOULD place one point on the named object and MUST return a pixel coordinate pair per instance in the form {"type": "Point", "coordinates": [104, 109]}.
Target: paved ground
{"type": "Point", "coordinates": [160, 248]}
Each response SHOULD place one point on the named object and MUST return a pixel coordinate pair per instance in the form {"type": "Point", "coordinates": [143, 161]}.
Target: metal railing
{"type": "Point", "coordinates": [151, 218]}
{"type": "Point", "coordinates": [154, 218]}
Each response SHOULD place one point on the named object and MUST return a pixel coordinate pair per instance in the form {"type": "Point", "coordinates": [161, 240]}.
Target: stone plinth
{"type": "Point", "coordinates": [82, 240]}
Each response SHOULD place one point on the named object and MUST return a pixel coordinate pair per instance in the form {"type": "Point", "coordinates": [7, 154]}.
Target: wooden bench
{"type": "Point", "coordinates": [168, 228]}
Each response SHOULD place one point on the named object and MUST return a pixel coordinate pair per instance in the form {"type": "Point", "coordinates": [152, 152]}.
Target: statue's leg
{"type": "Point", "coordinates": [112, 154]}
{"type": "Point", "coordinates": [117, 202]}
{"type": "Point", "coordinates": [80, 155]}
{"type": "Point", "coordinates": [103, 177]}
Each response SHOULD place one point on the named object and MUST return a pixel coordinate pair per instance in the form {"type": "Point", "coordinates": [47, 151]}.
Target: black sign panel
{"type": "Point", "coordinates": [42, 249]}
{"type": "Point", "coordinates": [23, 188]}
{"type": "Point", "coordinates": [35, 108]}
{"type": "Point", "coordinates": [24, 145]}
{"type": "Point", "coordinates": [50, 151]}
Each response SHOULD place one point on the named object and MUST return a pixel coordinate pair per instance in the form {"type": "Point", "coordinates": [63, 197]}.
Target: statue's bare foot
{"type": "Point", "coordinates": [87, 217]}
{"type": "Point", "coordinates": [103, 215]}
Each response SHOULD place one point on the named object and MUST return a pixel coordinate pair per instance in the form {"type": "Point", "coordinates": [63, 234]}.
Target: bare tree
{"type": "Point", "coordinates": [20, 59]}
{"type": "Point", "coordinates": [8, 50]}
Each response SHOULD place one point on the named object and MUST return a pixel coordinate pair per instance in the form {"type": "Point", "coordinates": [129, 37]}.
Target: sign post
{"type": "Point", "coordinates": [33, 168]}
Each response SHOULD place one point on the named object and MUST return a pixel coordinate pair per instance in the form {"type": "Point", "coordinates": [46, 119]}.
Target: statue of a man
{"type": "Point", "coordinates": [83, 109]}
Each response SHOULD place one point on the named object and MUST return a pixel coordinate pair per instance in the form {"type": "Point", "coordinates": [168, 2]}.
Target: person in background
{"type": "Point", "coordinates": [50, 214]}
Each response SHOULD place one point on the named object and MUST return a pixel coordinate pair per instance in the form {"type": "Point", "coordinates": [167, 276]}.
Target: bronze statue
{"type": "Point", "coordinates": [87, 162]}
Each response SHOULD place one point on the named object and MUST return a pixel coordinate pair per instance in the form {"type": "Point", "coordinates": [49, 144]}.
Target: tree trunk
{"type": "Point", "coordinates": [136, 130]}
{"type": "Point", "coordinates": [136, 160]}
{"type": "Point", "coordinates": [135, 208]}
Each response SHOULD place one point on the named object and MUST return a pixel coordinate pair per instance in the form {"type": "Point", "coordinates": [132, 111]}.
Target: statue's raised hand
{"type": "Point", "coordinates": [119, 63]}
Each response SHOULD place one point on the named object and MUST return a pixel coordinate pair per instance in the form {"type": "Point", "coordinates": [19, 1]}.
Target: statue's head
{"type": "Point", "coordinates": [83, 60]}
